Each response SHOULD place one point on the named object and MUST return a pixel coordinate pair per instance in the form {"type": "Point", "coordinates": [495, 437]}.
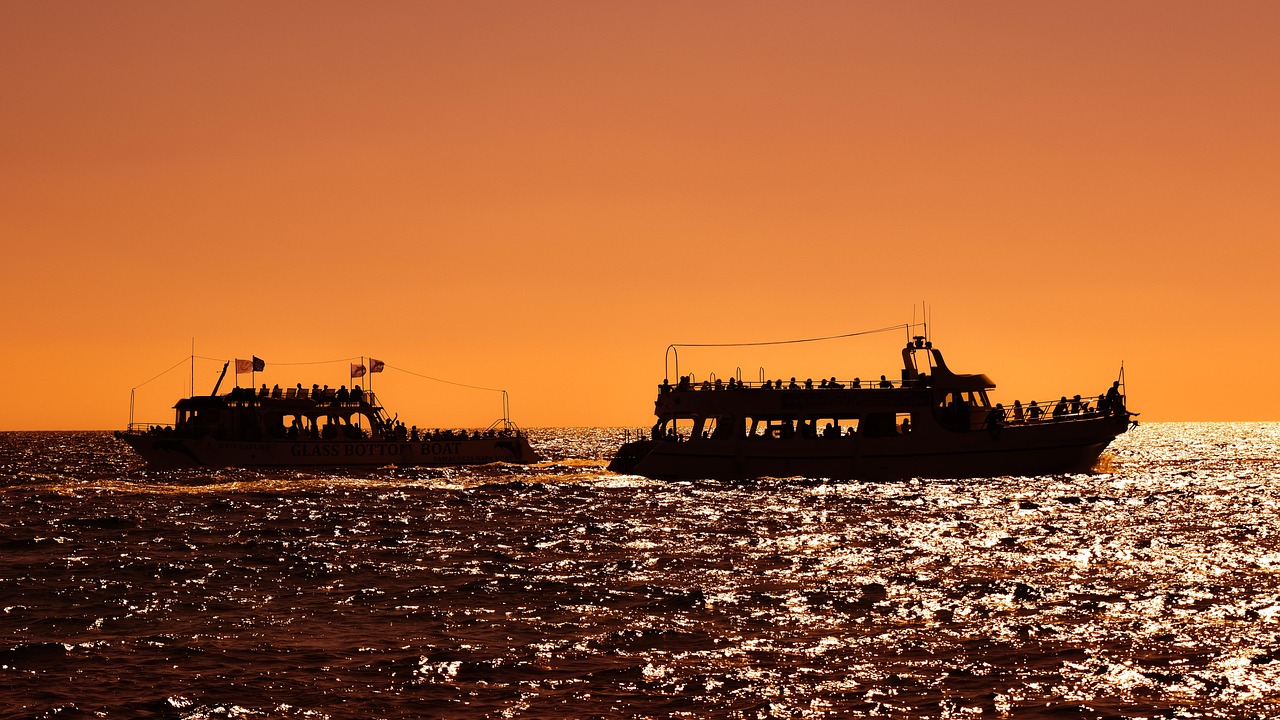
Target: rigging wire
{"type": "Point", "coordinates": [315, 362]}
{"type": "Point", "coordinates": [319, 362]}
{"type": "Point", "coordinates": [792, 342]}
{"type": "Point", "coordinates": [675, 347]}
{"type": "Point", "coordinates": [180, 363]}
{"type": "Point", "coordinates": [446, 382]}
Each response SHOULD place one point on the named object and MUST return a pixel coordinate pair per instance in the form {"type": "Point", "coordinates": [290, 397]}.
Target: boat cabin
{"type": "Point", "coordinates": [927, 392]}
{"type": "Point", "coordinates": [295, 414]}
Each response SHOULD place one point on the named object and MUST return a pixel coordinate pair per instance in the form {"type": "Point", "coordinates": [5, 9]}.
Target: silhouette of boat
{"type": "Point", "coordinates": [301, 427]}
{"type": "Point", "coordinates": [929, 423]}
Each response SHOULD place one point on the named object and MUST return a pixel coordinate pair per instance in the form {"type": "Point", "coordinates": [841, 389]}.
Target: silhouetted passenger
{"type": "Point", "coordinates": [857, 383]}
{"type": "Point", "coordinates": [793, 385]}
{"type": "Point", "coordinates": [958, 416]}
{"type": "Point", "coordinates": [834, 385]}
{"type": "Point", "coordinates": [1115, 401]}
{"type": "Point", "coordinates": [263, 392]}
{"type": "Point", "coordinates": [1060, 409]}
{"type": "Point", "coordinates": [995, 418]}
{"type": "Point", "coordinates": [768, 385]}
{"type": "Point", "coordinates": [1075, 405]}
{"type": "Point", "coordinates": [357, 395]}
{"type": "Point", "coordinates": [808, 383]}
{"type": "Point", "coordinates": [275, 391]}
{"type": "Point", "coordinates": [719, 385]}
{"type": "Point", "coordinates": [343, 394]}
{"type": "Point", "coordinates": [1034, 413]}
{"type": "Point", "coordinates": [885, 383]}
{"type": "Point", "coordinates": [1017, 412]}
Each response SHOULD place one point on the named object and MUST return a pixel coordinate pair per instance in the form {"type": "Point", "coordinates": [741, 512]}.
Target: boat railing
{"type": "Point", "coordinates": [317, 395]}
{"type": "Point", "coordinates": [141, 427]}
{"type": "Point", "coordinates": [856, 383]}
{"type": "Point", "coordinates": [635, 434]}
{"type": "Point", "coordinates": [1061, 409]}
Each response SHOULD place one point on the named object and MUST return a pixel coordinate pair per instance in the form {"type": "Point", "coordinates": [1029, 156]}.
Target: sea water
{"type": "Point", "coordinates": [1150, 588]}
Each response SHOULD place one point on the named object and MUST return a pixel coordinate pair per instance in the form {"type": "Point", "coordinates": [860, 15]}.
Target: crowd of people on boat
{"type": "Point", "coordinates": [393, 431]}
{"type": "Point", "coordinates": [686, 382]}
{"type": "Point", "coordinates": [317, 392]}
{"type": "Point", "coordinates": [337, 426]}
{"type": "Point", "coordinates": [397, 432]}
{"type": "Point", "coordinates": [1109, 403]}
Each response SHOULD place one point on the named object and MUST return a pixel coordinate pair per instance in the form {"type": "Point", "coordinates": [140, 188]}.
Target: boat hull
{"type": "Point", "coordinates": [160, 451]}
{"type": "Point", "coordinates": [1042, 449]}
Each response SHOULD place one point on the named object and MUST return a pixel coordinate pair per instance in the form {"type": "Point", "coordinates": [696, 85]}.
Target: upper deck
{"type": "Point", "coordinates": [295, 397]}
{"type": "Point", "coordinates": [713, 397]}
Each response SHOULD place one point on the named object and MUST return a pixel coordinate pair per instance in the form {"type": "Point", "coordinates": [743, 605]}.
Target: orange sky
{"type": "Point", "coordinates": [540, 196]}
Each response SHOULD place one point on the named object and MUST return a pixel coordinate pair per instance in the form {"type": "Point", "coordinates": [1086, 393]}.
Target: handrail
{"type": "Point", "coordinates": [709, 384]}
{"type": "Point", "coordinates": [144, 427]}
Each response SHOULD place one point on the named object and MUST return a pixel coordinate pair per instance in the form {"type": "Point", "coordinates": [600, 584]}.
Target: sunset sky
{"type": "Point", "coordinates": [541, 196]}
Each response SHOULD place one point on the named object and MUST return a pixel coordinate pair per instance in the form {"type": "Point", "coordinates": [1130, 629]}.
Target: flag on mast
{"type": "Point", "coordinates": [250, 366]}
{"type": "Point", "coordinates": [376, 365]}
{"type": "Point", "coordinates": [358, 370]}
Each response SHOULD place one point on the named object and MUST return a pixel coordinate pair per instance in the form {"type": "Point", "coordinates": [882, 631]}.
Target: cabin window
{"type": "Point", "coordinates": [723, 428]}
{"type": "Point", "coordinates": [771, 428]}
{"type": "Point", "coordinates": [676, 429]}
{"type": "Point", "coordinates": [711, 428]}
{"type": "Point", "coordinates": [887, 424]}
{"type": "Point", "coordinates": [295, 426]}
{"type": "Point", "coordinates": [834, 426]}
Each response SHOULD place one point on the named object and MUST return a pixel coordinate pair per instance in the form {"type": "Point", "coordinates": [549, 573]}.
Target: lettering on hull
{"type": "Point", "coordinates": [416, 453]}
{"type": "Point", "coordinates": [374, 450]}
{"type": "Point", "coordinates": [209, 452]}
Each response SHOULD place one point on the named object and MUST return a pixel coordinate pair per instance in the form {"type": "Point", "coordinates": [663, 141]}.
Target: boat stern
{"type": "Point", "coordinates": [630, 455]}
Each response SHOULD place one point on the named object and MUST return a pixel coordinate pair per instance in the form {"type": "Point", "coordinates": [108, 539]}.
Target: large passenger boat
{"type": "Point", "coordinates": [312, 427]}
{"type": "Point", "coordinates": [930, 422]}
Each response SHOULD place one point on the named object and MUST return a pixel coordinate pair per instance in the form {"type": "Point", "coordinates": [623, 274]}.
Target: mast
{"type": "Point", "coordinates": [220, 379]}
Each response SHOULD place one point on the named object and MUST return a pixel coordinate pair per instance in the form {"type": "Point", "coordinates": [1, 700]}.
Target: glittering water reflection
{"type": "Point", "coordinates": [562, 590]}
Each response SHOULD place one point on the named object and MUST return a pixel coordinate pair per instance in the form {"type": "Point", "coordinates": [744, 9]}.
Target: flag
{"type": "Point", "coordinates": [376, 365]}
{"type": "Point", "coordinates": [258, 364]}
{"type": "Point", "coordinates": [357, 370]}
{"type": "Point", "coordinates": [243, 366]}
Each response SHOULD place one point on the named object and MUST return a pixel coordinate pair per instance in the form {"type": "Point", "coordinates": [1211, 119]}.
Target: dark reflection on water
{"type": "Point", "coordinates": [560, 590]}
